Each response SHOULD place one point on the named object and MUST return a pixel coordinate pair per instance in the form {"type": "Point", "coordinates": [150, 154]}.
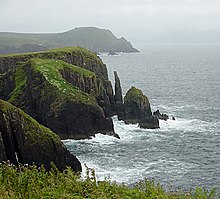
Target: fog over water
{"type": "Point", "coordinates": [137, 20]}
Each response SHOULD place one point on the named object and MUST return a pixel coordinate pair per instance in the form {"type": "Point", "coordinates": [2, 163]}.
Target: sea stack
{"type": "Point", "coordinates": [137, 110]}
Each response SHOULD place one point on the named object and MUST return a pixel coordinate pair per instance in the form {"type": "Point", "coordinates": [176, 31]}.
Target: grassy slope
{"type": "Point", "coordinates": [31, 182]}
{"type": "Point", "coordinates": [49, 69]}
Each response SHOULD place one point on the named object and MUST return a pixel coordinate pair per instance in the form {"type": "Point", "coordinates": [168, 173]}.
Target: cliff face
{"type": "Point", "coordinates": [23, 140]}
{"type": "Point", "coordinates": [62, 97]}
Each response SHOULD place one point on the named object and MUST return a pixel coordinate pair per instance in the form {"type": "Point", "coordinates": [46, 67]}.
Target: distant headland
{"type": "Point", "coordinates": [93, 38]}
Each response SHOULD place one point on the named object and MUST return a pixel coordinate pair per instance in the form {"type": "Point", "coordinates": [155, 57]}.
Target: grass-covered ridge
{"type": "Point", "coordinates": [50, 70]}
{"type": "Point", "coordinates": [57, 52]}
{"type": "Point", "coordinates": [73, 55]}
{"type": "Point", "coordinates": [32, 182]}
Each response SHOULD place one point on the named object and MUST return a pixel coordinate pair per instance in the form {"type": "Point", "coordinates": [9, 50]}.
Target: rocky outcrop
{"type": "Point", "coordinates": [62, 97]}
{"type": "Point", "coordinates": [137, 110]}
{"type": "Point", "coordinates": [118, 89]}
{"type": "Point", "coordinates": [63, 89]}
{"type": "Point", "coordinates": [161, 116]}
{"type": "Point", "coordinates": [23, 140]}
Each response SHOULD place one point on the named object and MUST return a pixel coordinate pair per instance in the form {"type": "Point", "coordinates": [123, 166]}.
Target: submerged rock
{"type": "Point", "coordinates": [23, 140]}
{"type": "Point", "coordinates": [112, 53]}
{"type": "Point", "coordinates": [137, 109]}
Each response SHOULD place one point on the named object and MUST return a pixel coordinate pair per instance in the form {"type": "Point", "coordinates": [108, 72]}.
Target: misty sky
{"type": "Point", "coordinates": [136, 20]}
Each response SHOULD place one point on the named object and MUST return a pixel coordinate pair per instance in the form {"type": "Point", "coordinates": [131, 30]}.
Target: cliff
{"type": "Point", "coordinates": [59, 95]}
{"type": "Point", "coordinates": [92, 38]}
{"type": "Point", "coordinates": [25, 141]}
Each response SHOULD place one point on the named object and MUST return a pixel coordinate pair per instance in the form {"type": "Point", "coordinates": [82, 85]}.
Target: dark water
{"type": "Point", "coordinates": [181, 81]}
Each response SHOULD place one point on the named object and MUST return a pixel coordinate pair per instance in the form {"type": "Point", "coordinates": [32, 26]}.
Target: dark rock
{"type": "Point", "coordinates": [23, 140]}
{"type": "Point", "coordinates": [160, 116]}
{"type": "Point", "coordinates": [137, 109]}
{"type": "Point", "coordinates": [118, 89]}
{"type": "Point", "coordinates": [173, 118]}
{"type": "Point", "coordinates": [119, 105]}
{"type": "Point", "coordinates": [150, 123]}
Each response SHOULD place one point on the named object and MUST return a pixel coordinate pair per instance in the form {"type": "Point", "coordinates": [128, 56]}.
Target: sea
{"type": "Point", "coordinates": [181, 80]}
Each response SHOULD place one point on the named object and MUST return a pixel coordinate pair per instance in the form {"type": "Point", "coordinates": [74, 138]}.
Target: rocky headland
{"type": "Point", "coordinates": [68, 91]}
{"type": "Point", "coordinates": [61, 86]}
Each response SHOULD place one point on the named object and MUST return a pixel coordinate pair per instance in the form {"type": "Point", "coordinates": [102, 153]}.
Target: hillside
{"type": "Point", "coordinates": [94, 39]}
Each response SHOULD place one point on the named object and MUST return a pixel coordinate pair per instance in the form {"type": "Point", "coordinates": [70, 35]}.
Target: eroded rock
{"type": "Point", "coordinates": [23, 140]}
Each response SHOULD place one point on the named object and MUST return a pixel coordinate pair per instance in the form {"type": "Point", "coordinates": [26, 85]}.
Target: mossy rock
{"type": "Point", "coordinates": [137, 110]}
{"type": "Point", "coordinates": [135, 95]}
{"type": "Point", "coordinates": [24, 140]}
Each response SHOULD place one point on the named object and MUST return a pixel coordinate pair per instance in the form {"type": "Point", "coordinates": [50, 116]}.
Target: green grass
{"type": "Point", "coordinates": [32, 182]}
{"type": "Point", "coordinates": [20, 81]}
{"type": "Point", "coordinates": [50, 69]}
{"type": "Point", "coordinates": [55, 84]}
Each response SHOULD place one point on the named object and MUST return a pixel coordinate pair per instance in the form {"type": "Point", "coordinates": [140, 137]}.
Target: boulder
{"type": "Point", "coordinates": [160, 116]}
{"type": "Point", "coordinates": [23, 140]}
{"type": "Point", "coordinates": [137, 109]}
{"type": "Point", "coordinates": [112, 53]}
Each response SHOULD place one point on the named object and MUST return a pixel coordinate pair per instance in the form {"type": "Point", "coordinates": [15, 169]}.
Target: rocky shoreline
{"type": "Point", "coordinates": [67, 90]}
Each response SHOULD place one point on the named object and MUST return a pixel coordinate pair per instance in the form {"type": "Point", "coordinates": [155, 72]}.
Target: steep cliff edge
{"type": "Point", "coordinates": [25, 141]}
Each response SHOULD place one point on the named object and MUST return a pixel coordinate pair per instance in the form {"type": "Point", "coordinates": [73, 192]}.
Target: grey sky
{"type": "Point", "coordinates": [137, 20]}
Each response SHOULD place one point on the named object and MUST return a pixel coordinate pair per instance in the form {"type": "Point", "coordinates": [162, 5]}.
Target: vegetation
{"type": "Point", "coordinates": [32, 182]}
{"type": "Point", "coordinates": [50, 69]}
{"type": "Point", "coordinates": [35, 133]}
{"type": "Point", "coordinates": [95, 39]}
{"type": "Point", "coordinates": [55, 83]}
